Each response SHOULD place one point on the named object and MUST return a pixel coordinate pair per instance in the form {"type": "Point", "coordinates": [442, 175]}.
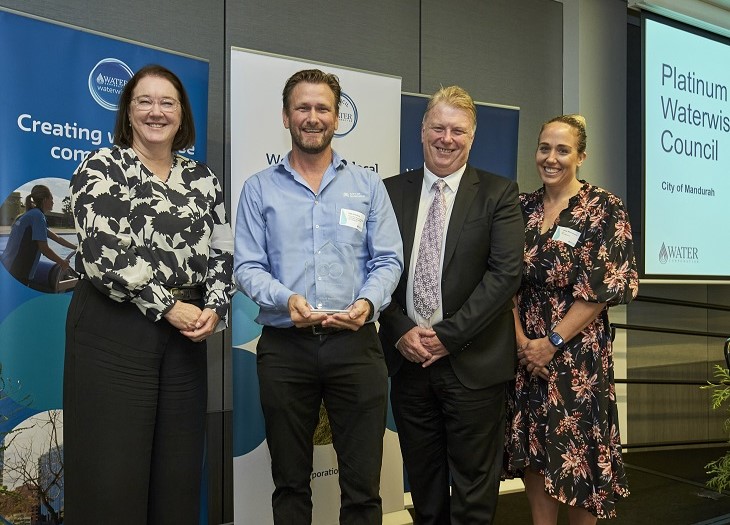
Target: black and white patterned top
{"type": "Point", "coordinates": [139, 236]}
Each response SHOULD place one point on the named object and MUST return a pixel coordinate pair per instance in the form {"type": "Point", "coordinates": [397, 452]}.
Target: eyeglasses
{"type": "Point", "coordinates": [144, 103]}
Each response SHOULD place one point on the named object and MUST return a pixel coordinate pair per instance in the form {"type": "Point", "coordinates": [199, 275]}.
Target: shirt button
{"type": "Point", "coordinates": [316, 226]}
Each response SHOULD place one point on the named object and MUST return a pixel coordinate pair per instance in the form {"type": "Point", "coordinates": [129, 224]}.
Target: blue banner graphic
{"type": "Point", "coordinates": [59, 97]}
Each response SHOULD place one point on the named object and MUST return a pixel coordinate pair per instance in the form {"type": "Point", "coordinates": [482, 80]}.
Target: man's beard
{"type": "Point", "coordinates": [312, 148]}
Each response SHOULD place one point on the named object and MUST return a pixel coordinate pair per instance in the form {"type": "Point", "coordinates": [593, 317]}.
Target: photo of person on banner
{"type": "Point", "coordinates": [317, 249]}
{"type": "Point", "coordinates": [29, 236]}
{"type": "Point", "coordinates": [155, 258]}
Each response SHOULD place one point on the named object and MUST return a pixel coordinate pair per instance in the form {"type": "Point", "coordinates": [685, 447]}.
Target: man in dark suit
{"type": "Point", "coordinates": [448, 334]}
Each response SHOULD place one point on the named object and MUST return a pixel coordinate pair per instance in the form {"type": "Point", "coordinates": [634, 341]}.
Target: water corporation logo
{"type": "Point", "coordinates": [107, 80]}
{"type": "Point", "coordinates": [676, 253]}
{"type": "Point", "coordinates": [347, 116]}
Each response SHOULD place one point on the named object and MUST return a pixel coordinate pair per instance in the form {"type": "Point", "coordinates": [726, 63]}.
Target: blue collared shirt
{"type": "Point", "coordinates": [281, 223]}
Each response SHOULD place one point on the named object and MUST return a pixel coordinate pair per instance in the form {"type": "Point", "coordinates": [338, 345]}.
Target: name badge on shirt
{"type": "Point", "coordinates": [352, 219]}
{"type": "Point", "coordinates": [566, 235]}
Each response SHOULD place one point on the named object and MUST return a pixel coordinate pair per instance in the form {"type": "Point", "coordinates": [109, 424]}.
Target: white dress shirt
{"type": "Point", "coordinates": [427, 193]}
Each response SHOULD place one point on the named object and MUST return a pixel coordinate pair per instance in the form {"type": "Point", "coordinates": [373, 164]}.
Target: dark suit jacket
{"type": "Point", "coordinates": [481, 272]}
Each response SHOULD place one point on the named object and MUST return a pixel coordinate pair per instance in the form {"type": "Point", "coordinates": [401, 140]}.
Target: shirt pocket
{"type": "Point", "coordinates": [351, 224]}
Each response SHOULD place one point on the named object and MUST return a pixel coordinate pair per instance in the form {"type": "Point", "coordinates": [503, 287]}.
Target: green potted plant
{"type": "Point", "coordinates": [719, 470]}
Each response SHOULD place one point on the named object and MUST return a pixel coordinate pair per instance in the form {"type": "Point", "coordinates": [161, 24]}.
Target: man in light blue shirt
{"type": "Point", "coordinates": [316, 234]}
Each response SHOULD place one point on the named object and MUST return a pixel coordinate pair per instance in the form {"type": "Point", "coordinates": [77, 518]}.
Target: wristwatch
{"type": "Point", "coordinates": [556, 339]}
{"type": "Point", "coordinates": [371, 314]}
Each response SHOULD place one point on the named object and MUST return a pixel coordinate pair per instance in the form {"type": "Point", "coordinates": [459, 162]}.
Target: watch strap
{"type": "Point", "coordinates": [556, 339]}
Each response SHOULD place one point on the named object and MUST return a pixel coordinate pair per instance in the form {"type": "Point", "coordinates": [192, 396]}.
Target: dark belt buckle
{"type": "Point", "coordinates": [318, 329]}
{"type": "Point", "coordinates": [186, 294]}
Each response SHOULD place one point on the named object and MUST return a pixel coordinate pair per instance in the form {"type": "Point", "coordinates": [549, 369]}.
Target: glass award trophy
{"type": "Point", "coordinates": [330, 280]}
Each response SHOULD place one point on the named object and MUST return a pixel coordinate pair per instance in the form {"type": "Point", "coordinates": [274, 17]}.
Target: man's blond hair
{"type": "Point", "coordinates": [457, 97]}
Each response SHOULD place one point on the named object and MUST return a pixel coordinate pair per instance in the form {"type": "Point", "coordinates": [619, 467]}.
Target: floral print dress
{"type": "Point", "coordinates": [566, 428]}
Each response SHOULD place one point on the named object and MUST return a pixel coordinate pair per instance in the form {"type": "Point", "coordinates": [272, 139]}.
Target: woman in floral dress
{"type": "Point", "coordinates": [562, 433]}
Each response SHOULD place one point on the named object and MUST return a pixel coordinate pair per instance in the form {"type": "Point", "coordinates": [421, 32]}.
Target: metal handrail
{"type": "Point", "coordinates": [659, 329]}
{"type": "Point", "coordinates": [680, 302]}
{"type": "Point", "coordinates": [675, 443]}
{"type": "Point", "coordinates": [726, 353]}
{"type": "Point", "coordinates": [659, 382]}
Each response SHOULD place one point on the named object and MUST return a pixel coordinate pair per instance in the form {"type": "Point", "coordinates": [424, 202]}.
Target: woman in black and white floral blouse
{"type": "Point", "coordinates": [155, 252]}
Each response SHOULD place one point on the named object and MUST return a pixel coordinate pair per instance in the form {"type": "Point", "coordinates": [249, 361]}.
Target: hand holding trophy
{"type": "Point", "coordinates": [330, 280]}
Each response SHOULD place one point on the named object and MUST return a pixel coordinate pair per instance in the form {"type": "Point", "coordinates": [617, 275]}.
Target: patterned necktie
{"type": "Point", "coordinates": [426, 287]}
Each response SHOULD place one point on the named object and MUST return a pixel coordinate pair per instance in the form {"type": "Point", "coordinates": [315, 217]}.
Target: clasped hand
{"type": "Point", "coordinates": [193, 323]}
{"type": "Point", "coordinates": [421, 345]}
{"type": "Point", "coordinates": [302, 315]}
{"type": "Point", "coordinates": [535, 355]}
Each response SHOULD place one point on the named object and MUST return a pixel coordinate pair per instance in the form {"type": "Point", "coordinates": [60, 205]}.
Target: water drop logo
{"type": "Point", "coordinates": [347, 117]}
{"type": "Point", "coordinates": [663, 255]}
{"type": "Point", "coordinates": [107, 80]}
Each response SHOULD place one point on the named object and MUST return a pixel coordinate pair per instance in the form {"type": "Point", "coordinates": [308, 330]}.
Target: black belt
{"type": "Point", "coordinates": [187, 293]}
{"type": "Point", "coordinates": [318, 329]}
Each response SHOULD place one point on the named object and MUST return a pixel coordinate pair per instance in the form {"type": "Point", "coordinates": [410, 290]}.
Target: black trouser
{"type": "Point", "coordinates": [297, 371]}
{"type": "Point", "coordinates": [449, 432]}
{"type": "Point", "coordinates": [134, 416]}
